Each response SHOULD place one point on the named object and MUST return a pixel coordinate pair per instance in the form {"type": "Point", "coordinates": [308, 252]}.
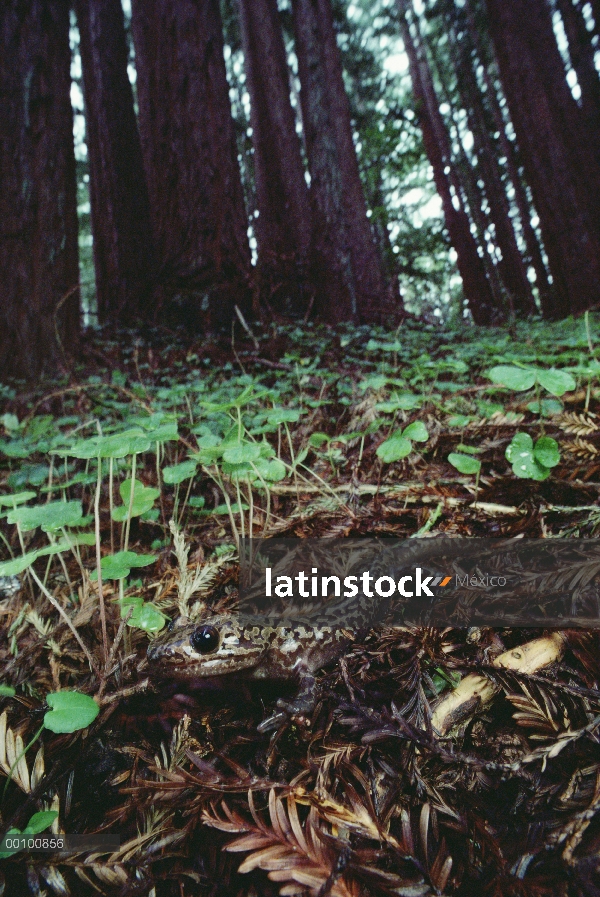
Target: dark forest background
{"type": "Point", "coordinates": [313, 159]}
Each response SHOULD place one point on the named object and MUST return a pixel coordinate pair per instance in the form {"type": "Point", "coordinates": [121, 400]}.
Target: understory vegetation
{"type": "Point", "coordinates": [126, 485]}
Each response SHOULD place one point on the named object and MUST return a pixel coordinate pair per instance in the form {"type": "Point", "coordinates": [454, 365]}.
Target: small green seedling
{"type": "Point", "coordinates": [177, 473]}
{"type": "Point", "coordinates": [532, 462]}
{"type": "Point", "coordinates": [400, 444]}
{"type": "Point", "coordinates": [119, 565]}
{"type": "Point", "coordinates": [69, 711]}
{"type": "Point", "coordinates": [38, 823]}
{"type": "Point", "coordinates": [144, 614]}
{"type": "Point", "coordinates": [134, 506]}
{"type": "Point", "coordinates": [522, 378]}
{"type": "Point", "coordinates": [464, 463]}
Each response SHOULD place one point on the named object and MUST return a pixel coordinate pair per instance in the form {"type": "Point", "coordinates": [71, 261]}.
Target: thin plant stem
{"type": "Point", "coordinates": [239, 498]}
{"type": "Point", "coordinates": [187, 495]}
{"type": "Point", "coordinates": [251, 509]}
{"type": "Point", "coordinates": [158, 484]}
{"type": "Point", "coordinates": [113, 652]}
{"type": "Point", "coordinates": [22, 544]}
{"type": "Point", "coordinates": [99, 559]}
{"type": "Point", "coordinates": [268, 491]}
{"type": "Point", "coordinates": [129, 510]}
{"type": "Point", "coordinates": [216, 478]}
{"type": "Point", "coordinates": [75, 550]}
{"type": "Point", "coordinates": [7, 543]}
{"type": "Point", "coordinates": [176, 503]}
{"type": "Point", "coordinates": [62, 564]}
{"type": "Point", "coordinates": [110, 504]}
{"type": "Point", "coordinates": [293, 460]}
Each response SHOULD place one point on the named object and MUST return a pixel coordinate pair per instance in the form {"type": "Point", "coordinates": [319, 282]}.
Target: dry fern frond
{"type": "Point", "coordinates": [365, 412]}
{"type": "Point", "coordinates": [12, 757]}
{"type": "Point", "coordinates": [293, 853]}
{"type": "Point", "coordinates": [113, 876]}
{"type": "Point", "coordinates": [577, 424]}
{"type": "Point", "coordinates": [55, 880]}
{"type": "Point", "coordinates": [41, 626]}
{"type": "Point", "coordinates": [180, 740]}
{"type": "Point", "coordinates": [199, 580]}
{"type": "Point", "coordinates": [537, 710]}
{"type": "Point", "coordinates": [503, 419]}
{"type": "Point", "coordinates": [581, 448]}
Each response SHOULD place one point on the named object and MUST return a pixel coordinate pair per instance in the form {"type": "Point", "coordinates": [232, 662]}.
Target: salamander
{"type": "Point", "coordinates": [280, 649]}
{"type": "Point", "coordinates": [222, 645]}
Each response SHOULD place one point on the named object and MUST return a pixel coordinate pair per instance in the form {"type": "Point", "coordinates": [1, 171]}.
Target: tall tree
{"type": "Point", "coordinates": [595, 5]}
{"type": "Point", "coordinates": [582, 55]}
{"type": "Point", "coordinates": [559, 163]}
{"type": "Point", "coordinates": [476, 288]}
{"type": "Point", "coordinates": [546, 294]}
{"type": "Point", "coordinates": [119, 197]}
{"type": "Point", "coordinates": [188, 141]}
{"type": "Point", "coordinates": [512, 269]}
{"type": "Point", "coordinates": [348, 268]}
{"type": "Point", "coordinates": [39, 272]}
{"type": "Point", "coordinates": [283, 226]}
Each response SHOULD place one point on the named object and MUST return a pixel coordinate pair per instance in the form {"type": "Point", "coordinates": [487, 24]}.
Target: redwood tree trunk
{"type": "Point", "coordinates": [476, 288]}
{"type": "Point", "coordinates": [349, 273]}
{"type": "Point", "coordinates": [511, 266]}
{"type": "Point", "coordinates": [190, 155]}
{"type": "Point", "coordinates": [559, 163]}
{"type": "Point", "coordinates": [595, 4]}
{"type": "Point", "coordinates": [582, 55]}
{"type": "Point", "coordinates": [283, 227]}
{"type": "Point", "coordinates": [547, 295]}
{"type": "Point", "coordinates": [39, 269]}
{"type": "Point", "coordinates": [119, 198]}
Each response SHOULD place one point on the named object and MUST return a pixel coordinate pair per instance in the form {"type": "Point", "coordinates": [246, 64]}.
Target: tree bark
{"type": "Point", "coordinates": [350, 281]}
{"type": "Point", "coordinates": [39, 268]}
{"type": "Point", "coordinates": [582, 55]}
{"type": "Point", "coordinates": [476, 287]}
{"type": "Point", "coordinates": [595, 4]}
{"type": "Point", "coordinates": [546, 293]}
{"type": "Point", "coordinates": [559, 163]}
{"type": "Point", "coordinates": [283, 226]}
{"type": "Point", "coordinates": [190, 155]}
{"type": "Point", "coordinates": [119, 197]}
{"type": "Point", "coordinates": [511, 266]}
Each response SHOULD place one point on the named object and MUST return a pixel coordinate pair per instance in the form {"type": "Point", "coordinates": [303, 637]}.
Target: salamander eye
{"type": "Point", "coordinates": [205, 639]}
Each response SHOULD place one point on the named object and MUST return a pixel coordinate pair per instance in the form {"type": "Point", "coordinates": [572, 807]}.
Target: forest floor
{"type": "Point", "coordinates": [297, 432]}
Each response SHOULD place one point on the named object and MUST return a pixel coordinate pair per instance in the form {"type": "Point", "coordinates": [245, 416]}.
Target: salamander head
{"type": "Point", "coordinates": [213, 647]}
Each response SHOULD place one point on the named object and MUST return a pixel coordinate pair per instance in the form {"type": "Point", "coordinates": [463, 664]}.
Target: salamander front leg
{"type": "Point", "coordinates": [295, 711]}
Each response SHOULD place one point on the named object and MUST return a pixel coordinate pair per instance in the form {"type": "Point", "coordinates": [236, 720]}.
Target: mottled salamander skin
{"type": "Point", "coordinates": [254, 649]}
{"type": "Point", "coordinates": [283, 650]}
{"type": "Point", "coordinates": [287, 651]}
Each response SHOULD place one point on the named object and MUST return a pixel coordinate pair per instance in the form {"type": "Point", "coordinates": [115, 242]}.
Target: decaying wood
{"type": "Point", "coordinates": [475, 692]}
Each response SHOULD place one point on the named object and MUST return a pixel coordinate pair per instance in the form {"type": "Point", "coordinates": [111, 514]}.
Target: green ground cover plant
{"type": "Point", "coordinates": [125, 488]}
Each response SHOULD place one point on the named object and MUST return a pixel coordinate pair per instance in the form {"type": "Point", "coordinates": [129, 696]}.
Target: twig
{"type": "Point", "coordinates": [275, 365]}
{"type": "Point", "coordinates": [246, 327]}
{"type": "Point", "coordinates": [65, 617]}
{"type": "Point", "coordinates": [113, 651]}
